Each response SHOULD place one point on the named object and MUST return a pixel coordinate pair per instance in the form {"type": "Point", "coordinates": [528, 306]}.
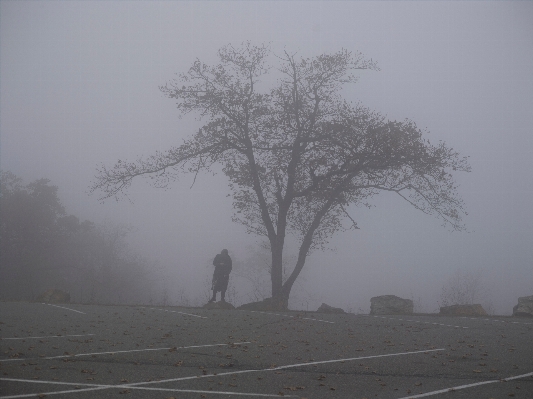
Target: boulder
{"type": "Point", "coordinates": [463, 310]}
{"type": "Point", "coordinates": [524, 308]}
{"type": "Point", "coordinates": [54, 296]}
{"type": "Point", "coordinates": [218, 305]}
{"type": "Point", "coordinates": [329, 309]}
{"type": "Point", "coordinates": [390, 304]}
{"type": "Point", "coordinates": [269, 304]}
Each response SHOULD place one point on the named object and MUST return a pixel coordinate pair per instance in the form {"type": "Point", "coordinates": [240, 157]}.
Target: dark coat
{"type": "Point", "coordinates": [223, 266]}
{"type": "Point", "coordinates": [223, 262]}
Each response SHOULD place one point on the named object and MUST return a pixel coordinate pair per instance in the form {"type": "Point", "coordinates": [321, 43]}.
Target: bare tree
{"type": "Point", "coordinates": [296, 153]}
{"type": "Point", "coordinates": [462, 288]}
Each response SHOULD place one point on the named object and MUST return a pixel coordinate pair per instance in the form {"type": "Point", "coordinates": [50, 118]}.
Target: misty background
{"type": "Point", "coordinates": [79, 87]}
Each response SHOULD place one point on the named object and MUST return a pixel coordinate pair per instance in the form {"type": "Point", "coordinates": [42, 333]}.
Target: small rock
{"type": "Point", "coordinates": [269, 304]}
{"type": "Point", "coordinates": [218, 305]}
{"type": "Point", "coordinates": [324, 308]}
{"type": "Point", "coordinates": [463, 310]}
{"type": "Point", "coordinates": [54, 296]}
{"type": "Point", "coordinates": [524, 308]}
{"type": "Point", "coordinates": [390, 304]}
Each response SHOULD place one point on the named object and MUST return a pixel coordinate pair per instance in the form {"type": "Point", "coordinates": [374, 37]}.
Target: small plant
{"type": "Point", "coordinates": [464, 288]}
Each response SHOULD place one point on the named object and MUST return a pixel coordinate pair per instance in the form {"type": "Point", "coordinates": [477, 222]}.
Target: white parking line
{"type": "Point", "coordinates": [62, 307]}
{"type": "Point", "coordinates": [281, 367]}
{"type": "Point", "coordinates": [51, 336]}
{"type": "Point", "coordinates": [212, 392]}
{"type": "Point", "coordinates": [516, 377]}
{"type": "Point", "coordinates": [52, 382]}
{"type": "Point", "coordinates": [139, 385]}
{"type": "Point", "coordinates": [498, 321]}
{"type": "Point", "coordinates": [34, 395]}
{"type": "Point", "coordinates": [175, 311]}
{"type": "Point", "coordinates": [356, 358]}
{"type": "Point", "coordinates": [457, 388]}
{"type": "Point", "coordinates": [95, 387]}
{"type": "Point", "coordinates": [115, 352]}
{"type": "Point", "coordinates": [287, 315]}
{"type": "Point", "coordinates": [416, 321]}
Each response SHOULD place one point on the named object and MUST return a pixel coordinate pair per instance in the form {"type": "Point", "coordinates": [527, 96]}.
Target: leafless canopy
{"type": "Point", "coordinates": [295, 152]}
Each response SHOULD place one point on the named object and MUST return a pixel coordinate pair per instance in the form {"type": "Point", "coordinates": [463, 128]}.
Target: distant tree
{"type": "Point", "coordinates": [41, 247]}
{"type": "Point", "coordinates": [29, 233]}
{"type": "Point", "coordinates": [295, 152]}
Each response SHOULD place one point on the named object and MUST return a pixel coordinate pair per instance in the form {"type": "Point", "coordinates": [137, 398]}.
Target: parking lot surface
{"type": "Point", "coordinates": [92, 351]}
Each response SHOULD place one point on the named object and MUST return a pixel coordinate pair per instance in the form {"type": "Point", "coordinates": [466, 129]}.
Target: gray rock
{"type": "Point", "coordinates": [524, 308]}
{"type": "Point", "coordinates": [463, 310]}
{"type": "Point", "coordinates": [390, 304]}
{"type": "Point", "coordinates": [269, 304]}
{"type": "Point", "coordinates": [54, 296]}
{"type": "Point", "coordinates": [218, 305]}
{"type": "Point", "coordinates": [329, 309]}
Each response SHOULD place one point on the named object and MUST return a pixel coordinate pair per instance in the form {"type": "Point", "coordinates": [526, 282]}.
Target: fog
{"type": "Point", "coordinates": [79, 87]}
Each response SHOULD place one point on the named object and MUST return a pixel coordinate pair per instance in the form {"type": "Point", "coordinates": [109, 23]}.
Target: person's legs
{"type": "Point", "coordinates": [216, 284]}
{"type": "Point", "coordinates": [223, 286]}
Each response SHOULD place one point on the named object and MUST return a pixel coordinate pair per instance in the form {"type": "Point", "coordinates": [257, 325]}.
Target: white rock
{"type": "Point", "coordinates": [390, 304]}
{"type": "Point", "coordinates": [524, 308]}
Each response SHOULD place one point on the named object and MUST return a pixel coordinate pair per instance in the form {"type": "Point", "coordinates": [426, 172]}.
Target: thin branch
{"type": "Point", "coordinates": [354, 223]}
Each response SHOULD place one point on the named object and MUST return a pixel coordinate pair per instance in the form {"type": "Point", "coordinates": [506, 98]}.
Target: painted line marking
{"type": "Point", "coordinates": [499, 321]}
{"type": "Point", "coordinates": [138, 385]}
{"type": "Point", "coordinates": [417, 321]}
{"type": "Point", "coordinates": [460, 317]}
{"type": "Point", "coordinates": [95, 387]}
{"type": "Point", "coordinates": [516, 377]}
{"type": "Point", "coordinates": [53, 382]}
{"type": "Point", "coordinates": [115, 352]}
{"type": "Point", "coordinates": [34, 395]}
{"type": "Point", "coordinates": [62, 307]}
{"type": "Point", "coordinates": [356, 358]}
{"type": "Point", "coordinates": [457, 388]}
{"type": "Point", "coordinates": [51, 336]}
{"type": "Point", "coordinates": [215, 392]}
{"type": "Point", "coordinates": [175, 311]}
{"type": "Point", "coordinates": [287, 315]}
{"type": "Point", "coordinates": [132, 386]}
{"type": "Point", "coordinates": [280, 367]}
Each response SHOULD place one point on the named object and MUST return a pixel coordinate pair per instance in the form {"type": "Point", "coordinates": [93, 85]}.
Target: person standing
{"type": "Point", "coordinates": [222, 263]}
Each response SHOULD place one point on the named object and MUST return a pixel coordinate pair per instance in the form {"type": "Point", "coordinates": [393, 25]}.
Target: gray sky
{"type": "Point", "coordinates": [79, 86]}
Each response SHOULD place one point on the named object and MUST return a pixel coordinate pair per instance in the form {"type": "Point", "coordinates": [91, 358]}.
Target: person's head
{"type": "Point", "coordinates": [224, 252]}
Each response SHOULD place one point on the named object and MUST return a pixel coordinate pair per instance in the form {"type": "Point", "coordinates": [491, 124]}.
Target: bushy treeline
{"type": "Point", "coordinates": [43, 247]}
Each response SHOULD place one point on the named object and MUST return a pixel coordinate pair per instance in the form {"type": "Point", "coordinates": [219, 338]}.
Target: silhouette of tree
{"type": "Point", "coordinates": [295, 152]}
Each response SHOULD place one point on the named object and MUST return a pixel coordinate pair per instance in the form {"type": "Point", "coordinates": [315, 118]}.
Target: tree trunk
{"type": "Point", "coordinates": [276, 273]}
{"type": "Point", "coordinates": [302, 255]}
{"type": "Point", "coordinates": [304, 248]}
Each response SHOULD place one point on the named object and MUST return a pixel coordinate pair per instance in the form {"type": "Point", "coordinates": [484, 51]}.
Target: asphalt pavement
{"type": "Point", "coordinates": [94, 351]}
